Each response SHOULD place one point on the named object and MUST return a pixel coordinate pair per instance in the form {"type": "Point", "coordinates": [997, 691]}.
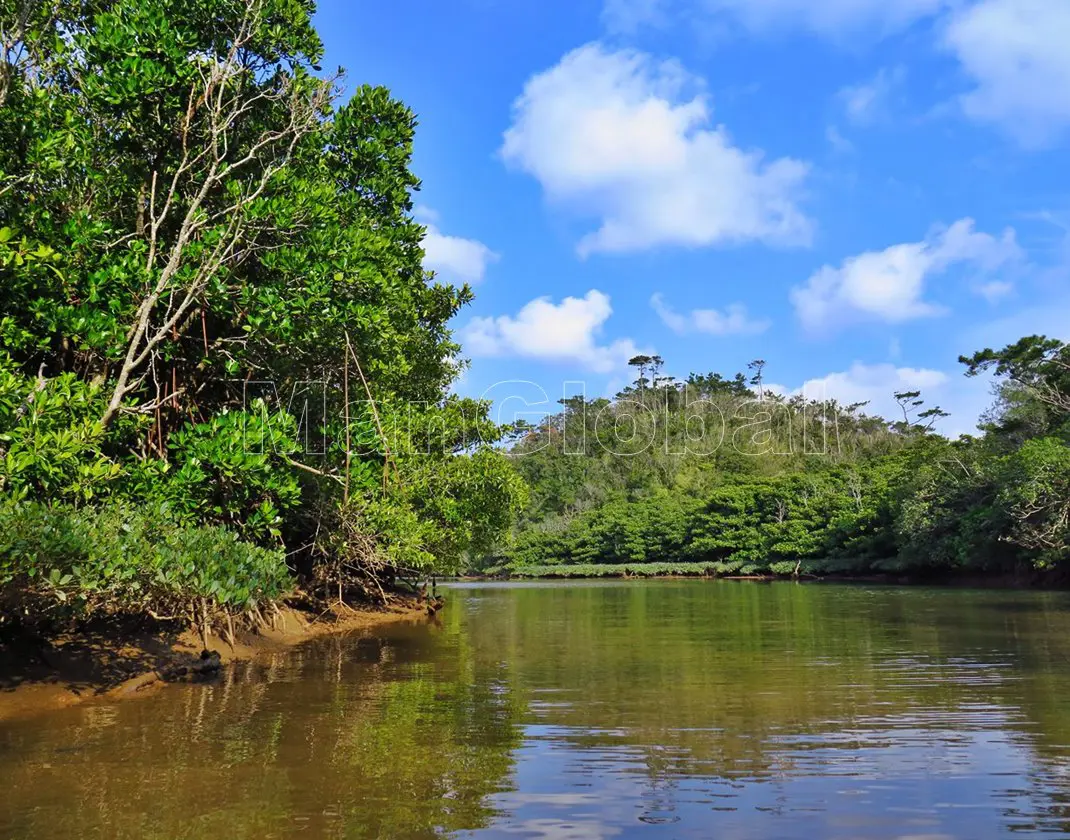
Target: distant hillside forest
{"type": "Point", "coordinates": [721, 476]}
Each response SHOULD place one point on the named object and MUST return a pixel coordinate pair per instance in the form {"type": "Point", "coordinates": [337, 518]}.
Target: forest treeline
{"type": "Point", "coordinates": [187, 212]}
{"type": "Point", "coordinates": [720, 476]}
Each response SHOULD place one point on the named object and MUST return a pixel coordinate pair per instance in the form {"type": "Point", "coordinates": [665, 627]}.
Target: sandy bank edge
{"type": "Point", "coordinates": [103, 668]}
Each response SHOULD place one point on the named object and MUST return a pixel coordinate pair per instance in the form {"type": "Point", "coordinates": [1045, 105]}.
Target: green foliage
{"type": "Point", "coordinates": [946, 516]}
{"type": "Point", "coordinates": [882, 496]}
{"type": "Point", "coordinates": [466, 503]}
{"type": "Point", "coordinates": [234, 471]}
{"type": "Point", "coordinates": [189, 222]}
{"type": "Point", "coordinates": [791, 524]}
{"type": "Point", "coordinates": [60, 562]}
{"type": "Point", "coordinates": [1035, 492]}
{"type": "Point", "coordinates": [51, 445]}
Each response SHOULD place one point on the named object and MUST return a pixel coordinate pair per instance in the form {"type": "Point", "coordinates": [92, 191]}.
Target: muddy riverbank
{"type": "Point", "coordinates": [114, 660]}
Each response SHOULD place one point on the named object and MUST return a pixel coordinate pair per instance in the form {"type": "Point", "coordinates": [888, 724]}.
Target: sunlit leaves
{"type": "Point", "coordinates": [184, 211]}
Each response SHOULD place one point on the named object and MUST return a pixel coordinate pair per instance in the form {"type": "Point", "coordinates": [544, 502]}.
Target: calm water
{"type": "Point", "coordinates": [587, 710]}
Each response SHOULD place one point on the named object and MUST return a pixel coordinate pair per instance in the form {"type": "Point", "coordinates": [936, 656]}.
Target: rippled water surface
{"type": "Point", "coordinates": [670, 709]}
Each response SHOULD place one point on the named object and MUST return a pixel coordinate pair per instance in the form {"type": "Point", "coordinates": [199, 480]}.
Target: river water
{"type": "Point", "coordinates": [662, 709]}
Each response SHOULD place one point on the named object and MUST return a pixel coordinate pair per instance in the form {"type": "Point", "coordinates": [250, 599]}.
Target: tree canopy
{"type": "Point", "coordinates": [213, 310]}
{"type": "Point", "coordinates": [720, 476]}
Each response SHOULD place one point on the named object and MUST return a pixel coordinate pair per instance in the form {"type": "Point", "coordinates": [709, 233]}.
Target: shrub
{"type": "Point", "coordinates": [1035, 492]}
{"type": "Point", "coordinates": [61, 564]}
{"type": "Point", "coordinates": [233, 471]}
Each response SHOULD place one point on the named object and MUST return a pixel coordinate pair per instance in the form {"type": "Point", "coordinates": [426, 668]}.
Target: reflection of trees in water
{"type": "Point", "coordinates": [407, 734]}
{"type": "Point", "coordinates": [343, 738]}
{"type": "Point", "coordinates": [760, 682]}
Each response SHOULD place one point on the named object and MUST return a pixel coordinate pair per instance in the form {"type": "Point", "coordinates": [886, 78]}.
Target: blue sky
{"type": "Point", "coordinates": [856, 191]}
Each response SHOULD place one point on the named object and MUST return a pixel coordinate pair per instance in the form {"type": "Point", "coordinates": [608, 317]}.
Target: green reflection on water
{"type": "Point", "coordinates": [389, 736]}
{"type": "Point", "coordinates": [686, 686]}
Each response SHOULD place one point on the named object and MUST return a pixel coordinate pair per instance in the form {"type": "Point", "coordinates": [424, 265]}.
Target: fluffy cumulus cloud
{"type": "Point", "coordinates": [890, 285]}
{"type": "Point", "coordinates": [733, 320]}
{"type": "Point", "coordinates": [876, 385]}
{"type": "Point", "coordinates": [456, 259]}
{"type": "Point", "coordinates": [1017, 53]}
{"type": "Point", "coordinates": [832, 18]}
{"type": "Point", "coordinates": [568, 331]}
{"type": "Point", "coordinates": [1013, 51]}
{"type": "Point", "coordinates": [613, 135]}
{"type": "Point", "coordinates": [453, 258]}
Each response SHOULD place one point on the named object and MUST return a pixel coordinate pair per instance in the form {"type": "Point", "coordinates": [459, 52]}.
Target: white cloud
{"type": "Point", "coordinates": [889, 285]}
{"type": "Point", "coordinates": [964, 399]}
{"type": "Point", "coordinates": [875, 385]}
{"type": "Point", "coordinates": [994, 290]}
{"type": "Point", "coordinates": [831, 18]}
{"type": "Point", "coordinates": [868, 102]}
{"type": "Point", "coordinates": [454, 258]}
{"type": "Point", "coordinates": [629, 15]}
{"type": "Point", "coordinates": [425, 214]}
{"type": "Point", "coordinates": [612, 135]}
{"type": "Point", "coordinates": [733, 321]}
{"type": "Point", "coordinates": [451, 257]}
{"type": "Point", "coordinates": [840, 144]}
{"type": "Point", "coordinates": [1016, 52]}
{"type": "Point", "coordinates": [565, 332]}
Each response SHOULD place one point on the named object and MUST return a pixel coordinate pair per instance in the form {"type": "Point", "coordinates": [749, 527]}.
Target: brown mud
{"type": "Point", "coordinates": [114, 660]}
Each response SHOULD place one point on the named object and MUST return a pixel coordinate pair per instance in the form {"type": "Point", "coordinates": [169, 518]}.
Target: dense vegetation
{"type": "Point", "coordinates": [224, 373]}
{"type": "Point", "coordinates": [223, 370]}
{"type": "Point", "coordinates": [719, 476]}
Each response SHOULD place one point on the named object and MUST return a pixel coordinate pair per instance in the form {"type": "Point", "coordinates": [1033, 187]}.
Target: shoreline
{"type": "Point", "coordinates": [1054, 579]}
{"type": "Point", "coordinates": [109, 663]}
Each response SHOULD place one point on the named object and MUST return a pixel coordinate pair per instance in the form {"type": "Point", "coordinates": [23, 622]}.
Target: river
{"type": "Point", "coordinates": [660, 709]}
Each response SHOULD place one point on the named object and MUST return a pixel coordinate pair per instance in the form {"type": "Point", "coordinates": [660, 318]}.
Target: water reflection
{"type": "Point", "coordinates": [393, 736]}
{"type": "Point", "coordinates": [669, 709]}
